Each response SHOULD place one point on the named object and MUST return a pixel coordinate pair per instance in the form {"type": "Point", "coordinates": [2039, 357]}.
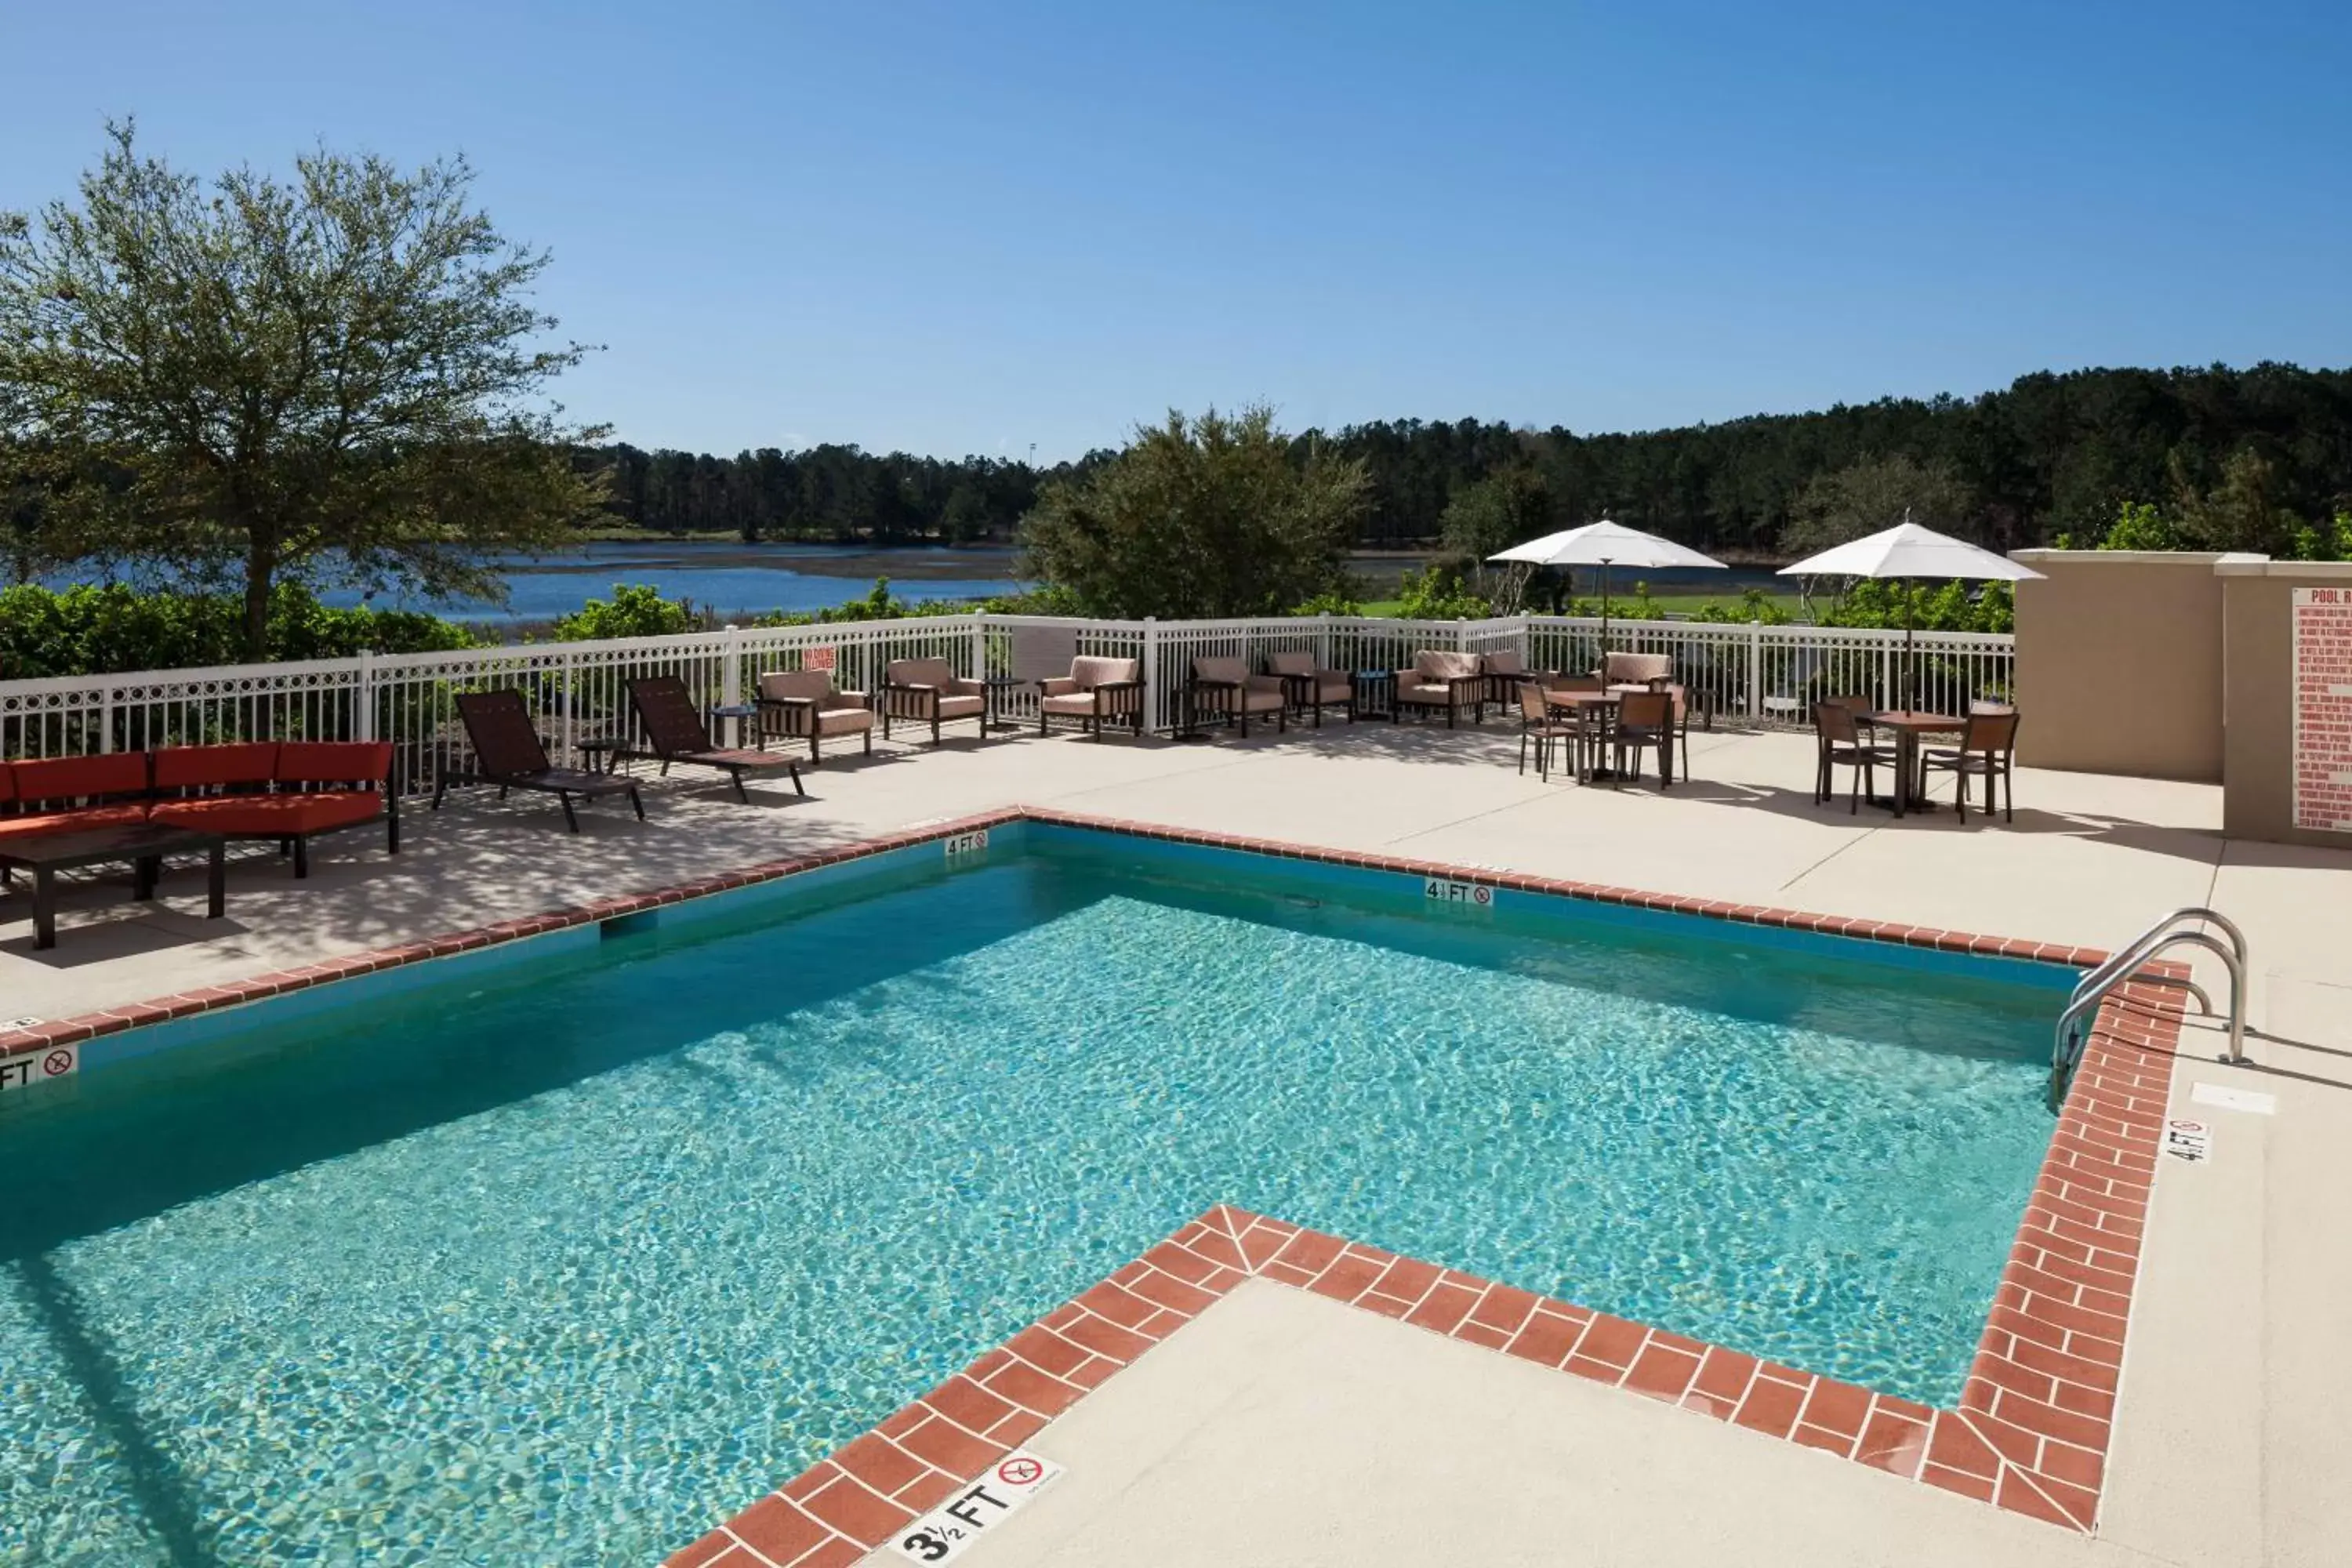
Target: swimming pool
{"type": "Point", "coordinates": [560, 1260]}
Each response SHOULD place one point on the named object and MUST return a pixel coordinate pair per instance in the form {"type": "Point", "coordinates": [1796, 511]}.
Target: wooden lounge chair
{"type": "Point", "coordinates": [508, 753]}
{"type": "Point", "coordinates": [1312, 689]}
{"type": "Point", "coordinates": [930, 691]}
{"type": "Point", "coordinates": [675, 733]}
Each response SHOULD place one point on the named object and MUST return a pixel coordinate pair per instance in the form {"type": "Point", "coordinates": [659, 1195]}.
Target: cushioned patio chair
{"type": "Point", "coordinates": [928, 692]}
{"type": "Point", "coordinates": [1840, 742]}
{"type": "Point", "coordinates": [797, 704]}
{"type": "Point", "coordinates": [508, 753]}
{"type": "Point", "coordinates": [1504, 673]}
{"type": "Point", "coordinates": [1098, 691]}
{"type": "Point", "coordinates": [675, 733]}
{"type": "Point", "coordinates": [1224, 688]}
{"type": "Point", "coordinates": [1440, 679]}
{"type": "Point", "coordinates": [1636, 668]}
{"type": "Point", "coordinates": [1988, 750]}
{"type": "Point", "coordinates": [1310, 688]}
{"type": "Point", "coordinates": [288, 792]}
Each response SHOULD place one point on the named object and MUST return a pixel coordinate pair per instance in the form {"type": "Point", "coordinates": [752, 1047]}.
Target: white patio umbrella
{"type": "Point", "coordinates": [1911, 552]}
{"type": "Point", "coordinates": [1605, 544]}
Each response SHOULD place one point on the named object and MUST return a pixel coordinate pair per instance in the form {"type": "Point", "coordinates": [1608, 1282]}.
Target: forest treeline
{"type": "Point", "coordinates": [2050, 455]}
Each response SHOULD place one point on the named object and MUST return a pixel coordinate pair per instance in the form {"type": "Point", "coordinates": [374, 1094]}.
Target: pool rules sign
{"type": "Point", "coordinates": [2323, 709]}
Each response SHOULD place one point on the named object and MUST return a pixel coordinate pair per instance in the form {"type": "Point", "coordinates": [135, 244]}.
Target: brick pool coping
{"type": "Point", "coordinates": [2031, 1434]}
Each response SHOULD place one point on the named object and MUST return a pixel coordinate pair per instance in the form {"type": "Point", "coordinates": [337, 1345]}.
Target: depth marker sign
{"type": "Point", "coordinates": [940, 1535]}
{"type": "Point", "coordinates": [30, 1068]}
{"type": "Point", "coordinates": [2188, 1140]}
{"type": "Point", "coordinates": [1458, 894]}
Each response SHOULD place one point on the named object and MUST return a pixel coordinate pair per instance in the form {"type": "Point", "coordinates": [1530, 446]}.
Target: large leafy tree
{"type": "Point", "coordinates": [1199, 517]}
{"type": "Point", "coordinates": [339, 375]}
{"type": "Point", "coordinates": [1876, 493]}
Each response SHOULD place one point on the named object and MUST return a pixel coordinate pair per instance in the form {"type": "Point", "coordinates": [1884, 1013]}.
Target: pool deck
{"type": "Point", "coordinates": [1278, 1427]}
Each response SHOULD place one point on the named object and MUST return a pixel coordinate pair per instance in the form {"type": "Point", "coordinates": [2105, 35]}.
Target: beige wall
{"type": "Point", "coordinates": [2119, 664]}
{"type": "Point", "coordinates": [2258, 789]}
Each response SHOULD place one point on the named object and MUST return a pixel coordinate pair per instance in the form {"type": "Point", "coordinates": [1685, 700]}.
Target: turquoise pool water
{"type": "Point", "coordinates": [566, 1262]}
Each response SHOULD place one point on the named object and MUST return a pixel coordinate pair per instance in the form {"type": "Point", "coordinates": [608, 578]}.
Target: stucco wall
{"type": "Point", "coordinates": [2119, 659]}
{"type": "Point", "coordinates": [2258, 791]}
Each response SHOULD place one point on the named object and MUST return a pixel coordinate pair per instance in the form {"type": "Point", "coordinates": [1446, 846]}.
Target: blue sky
{"type": "Point", "coordinates": [968, 227]}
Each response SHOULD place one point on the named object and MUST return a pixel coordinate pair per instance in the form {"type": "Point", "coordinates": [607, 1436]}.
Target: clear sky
{"type": "Point", "coordinates": [966, 226]}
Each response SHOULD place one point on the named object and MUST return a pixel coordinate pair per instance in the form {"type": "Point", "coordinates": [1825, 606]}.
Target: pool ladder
{"type": "Point", "coordinates": [2181, 928]}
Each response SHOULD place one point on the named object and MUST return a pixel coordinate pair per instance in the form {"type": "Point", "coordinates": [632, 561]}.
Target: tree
{"type": "Point", "coordinates": [1876, 493]}
{"type": "Point", "coordinates": [1203, 517]}
{"type": "Point", "coordinates": [2241, 512]}
{"type": "Point", "coordinates": [339, 377]}
{"type": "Point", "coordinates": [1507, 507]}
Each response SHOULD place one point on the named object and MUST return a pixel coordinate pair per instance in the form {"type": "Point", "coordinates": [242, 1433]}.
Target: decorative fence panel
{"type": "Point", "coordinates": [578, 692]}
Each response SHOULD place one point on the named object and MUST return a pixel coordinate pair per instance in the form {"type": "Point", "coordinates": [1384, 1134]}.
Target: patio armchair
{"type": "Point", "coordinates": [1504, 673]}
{"type": "Point", "coordinates": [1096, 689]}
{"type": "Point", "coordinates": [1224, 688]}
{"type": "Point", "coordinates": [675, 733]}
{"type": "Point", "coordinates": [1312, 689]}
{"type": "Point", "coordinates": [1839, 742]}
{"type": "Point", "coordinates": [1988, 750]}
{"type": "Point", "coordinates": [1442, 678]}
{"type": "Point", "coordinates": [1636, 668]}
{"type": "Point", "coordinates": [804, 704]}
{"type": "Point", "coordinates": [508, 753]}
{"type": "Point", "coordinates": [1645, 721]}
{"type": "Point", "coordinates": [928, 692]}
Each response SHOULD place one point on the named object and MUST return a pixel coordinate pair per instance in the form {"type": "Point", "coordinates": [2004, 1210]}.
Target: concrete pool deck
{"type": "Point", "coordinates": [2236, 1389]}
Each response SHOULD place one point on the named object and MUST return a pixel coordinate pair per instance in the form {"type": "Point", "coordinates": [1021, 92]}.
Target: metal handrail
{"type": "Point", "coordinates": [2066, 1047]}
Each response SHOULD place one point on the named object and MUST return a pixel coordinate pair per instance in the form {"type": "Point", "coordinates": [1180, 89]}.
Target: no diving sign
{"type": "Point", "coordinates": [998, 1492]}
{"type": "Point", "coordinates": [28, 1067]}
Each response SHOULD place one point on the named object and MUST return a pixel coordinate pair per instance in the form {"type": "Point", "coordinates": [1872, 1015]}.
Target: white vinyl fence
{"type": "Point", "coordinates": [1751, 674]}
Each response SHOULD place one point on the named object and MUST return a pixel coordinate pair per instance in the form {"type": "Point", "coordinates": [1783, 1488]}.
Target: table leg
{"type": "Point", "coordinates": [44, 907]}
{"type": "Point", "coordinates": [216, 881]}
{"type": "Point", "coordinates": [143, 872]}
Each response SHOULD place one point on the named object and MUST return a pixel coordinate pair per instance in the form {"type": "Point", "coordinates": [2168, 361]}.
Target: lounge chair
{"type": "Point", "coordinates": [928, 692]}
{"type": "Point", "coordinates": [1311, 689]}
{"type": "Point", "coordinates": [1224, 688]}
{"type": "Point", "coordinates": [1097, 689]}
{"type": "Point", "coordinates": [508, 753]}
{"type": "Point", "coordinates": [1440, 679]}
{"type": "Point", "coordinates": [675, 731]}
{"type": "Point", "coordinates": [1636, 668]}
{"type": "Point", "coordinates": [805, 704]}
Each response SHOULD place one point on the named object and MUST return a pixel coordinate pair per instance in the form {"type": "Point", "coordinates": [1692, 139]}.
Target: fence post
{"type": "Point", "coordinates": [730, 672]}
{"type": "Point", "coordinates": [363, 720]}
{"type": "Point", "coordinates": [979, 644]}
{"type": "Point", "coordinates": [1155, 699]}
{"type": "Point", "coordinates": [1755, 672]}
{"type": "Point", "coordinates": [571, 708]}
{"type": "Point", "coordinates": [1323, 640]}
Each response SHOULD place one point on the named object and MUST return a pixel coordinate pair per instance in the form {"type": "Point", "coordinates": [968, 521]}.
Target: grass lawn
{"type": "Point", "coordinates": [1676, 601]}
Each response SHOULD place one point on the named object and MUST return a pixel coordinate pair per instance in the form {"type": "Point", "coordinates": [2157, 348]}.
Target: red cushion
{"type": "Point", "coordinates": [178, 767]}
{"type": "Point", "coordinates": [334, 761]}
{"type": "Point", "coordinates": [270, 815]}
{"type": "Point", "coordinates": [76, 778]}
{"type": "Point", "coordinates": [7, 783]}
{"type": "Point", "coordinates": [72, 821]}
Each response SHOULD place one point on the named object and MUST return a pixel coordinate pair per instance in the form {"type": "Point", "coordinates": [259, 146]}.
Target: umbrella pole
{"type": "Point", "coordinates": [1604, 616]}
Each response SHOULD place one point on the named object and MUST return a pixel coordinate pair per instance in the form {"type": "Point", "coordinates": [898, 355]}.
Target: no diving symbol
{"type": "Point", "coordinates": [1019, 1472]}
{"type": "Point", "coordinates": [56, 1063]}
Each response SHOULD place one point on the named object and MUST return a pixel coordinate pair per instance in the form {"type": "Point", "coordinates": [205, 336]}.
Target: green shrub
{"type": "Point", "coordinates": [99, 630]}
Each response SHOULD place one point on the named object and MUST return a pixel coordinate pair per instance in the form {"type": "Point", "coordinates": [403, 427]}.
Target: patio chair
{"type": "Point", "coordinates": [928, 692]}
{"type": "Point", "coordinates": [508, 753]}
{"type": "Point", "coordinates": [1224, 688]}
{"type": "Point", "coordinates": [1540, 725]}
{"type": "Point", "coordinates": [1988, 750]}
{"type": "Point", "coordinates": [1839, 742]}
{"type": "Point", "coordinates": [1636, 668]}
{"type": "Point", "coordinates": [804, 704]}
{"type": "Point", "coordinates": [1645, 721]}
{"type": "Point", "coordinates": [1097, 689]}
{"type": "Point", "coordinates": [675, 734]}
{"type": "Point", "coordinates": [1442, 678]}
{"type": "Point", "coordinates": [1505, 672]}
{"type": "Point", "coordinates": [1311, 689]}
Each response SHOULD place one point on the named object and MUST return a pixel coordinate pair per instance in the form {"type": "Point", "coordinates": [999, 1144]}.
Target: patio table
{"type": "Point", "coordinates": [1592, 709]}
{"type": "Point", "coordinates": [1910, 725]}
{"type": "Point", "coordinates": [144, 845]}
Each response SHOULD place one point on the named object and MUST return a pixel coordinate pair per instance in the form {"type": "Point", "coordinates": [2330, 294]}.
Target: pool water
{"type": "Point", "coordinates": [566, 1263]}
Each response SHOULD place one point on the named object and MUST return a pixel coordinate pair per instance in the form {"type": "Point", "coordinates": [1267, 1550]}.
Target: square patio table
{"type": "Point", "coordinates": [1910, 725]}
{"type": "Point", "coordinates": [144, 845]}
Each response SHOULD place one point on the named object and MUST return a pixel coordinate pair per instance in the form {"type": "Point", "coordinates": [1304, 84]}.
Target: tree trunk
{"type": "Point", "coordinates": [260, 567]}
